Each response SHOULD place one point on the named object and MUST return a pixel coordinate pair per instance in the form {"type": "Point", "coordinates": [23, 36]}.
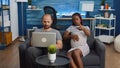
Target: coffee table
{"type": "Point", "coordinates": [60, 62]}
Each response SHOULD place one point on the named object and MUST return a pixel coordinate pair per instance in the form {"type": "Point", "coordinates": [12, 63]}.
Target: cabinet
{"type": "Point", "coordinates": [105, 26]}
{"type": "Point", "coordinates": [5, 34]}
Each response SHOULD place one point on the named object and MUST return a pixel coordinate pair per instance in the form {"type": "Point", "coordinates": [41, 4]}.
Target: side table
{"type": "Point", "coordinates": [60, 62]}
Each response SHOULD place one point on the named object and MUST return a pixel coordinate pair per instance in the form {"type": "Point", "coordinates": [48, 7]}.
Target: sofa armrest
{"type": "Point", "coordinates": [100, 50]}
{"type": "Point", "coordinates": [22, 50]}
{"type": "Point", "coordinates": [25, 44]}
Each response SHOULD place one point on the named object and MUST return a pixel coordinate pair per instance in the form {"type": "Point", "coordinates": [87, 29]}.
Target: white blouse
{"type": "Point", "coordinates": [82, 37]}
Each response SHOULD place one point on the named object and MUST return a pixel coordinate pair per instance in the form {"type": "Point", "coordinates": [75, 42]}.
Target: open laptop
{"type": "Point", "coordinates": [43, 39]}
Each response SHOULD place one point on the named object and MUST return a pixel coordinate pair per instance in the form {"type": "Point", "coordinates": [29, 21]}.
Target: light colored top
{"type": "Point", "coordinates": [82, 37]}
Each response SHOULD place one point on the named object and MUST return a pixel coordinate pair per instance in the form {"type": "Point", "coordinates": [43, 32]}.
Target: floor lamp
{"type": "Point", "coordinates": [22, 12]}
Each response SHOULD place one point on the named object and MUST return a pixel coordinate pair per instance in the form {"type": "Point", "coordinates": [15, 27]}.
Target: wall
{"type": "Point", "coordinates": [66, 6]}
{"type": "Point", "coordinates": [117, 13]}
{"type": "Point", "coordinates": [14, 15]}
{"type": "Point", "coordinates": [14, 19]}
{"type": "Point", "coordinates": [62, 7]}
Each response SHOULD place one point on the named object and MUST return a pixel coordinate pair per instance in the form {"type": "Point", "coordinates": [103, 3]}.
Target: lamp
{"type": "Point", "coordinates": [87, 6]}
{"type": "Point", "coordinates": [22, 38]}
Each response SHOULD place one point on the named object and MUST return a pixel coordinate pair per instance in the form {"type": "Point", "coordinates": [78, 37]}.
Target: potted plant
{"type": "Point", "coordinates": [29, 4]}
{"type": "Point", "coordinates": [52, 49]}
{"type": "Point", "coordinates": [102, 4]}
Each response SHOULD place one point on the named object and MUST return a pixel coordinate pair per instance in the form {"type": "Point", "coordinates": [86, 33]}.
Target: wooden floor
{"type": "Point", "coordinates": [112, 57]}
{"type": "Point", "coordinates": [9, 58]}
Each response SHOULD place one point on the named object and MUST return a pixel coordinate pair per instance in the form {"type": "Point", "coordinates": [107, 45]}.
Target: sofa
{"type": "Point", "coordinates": [95, 59]}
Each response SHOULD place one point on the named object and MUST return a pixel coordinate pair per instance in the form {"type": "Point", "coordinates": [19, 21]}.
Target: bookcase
{"type": "Point", "coordinates": [5, 32]}
{"type": "Point", "coordinates": [105, 25]}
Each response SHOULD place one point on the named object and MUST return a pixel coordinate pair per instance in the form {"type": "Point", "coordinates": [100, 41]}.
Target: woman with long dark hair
{"type": "Point", "coordinates": [78, 33]}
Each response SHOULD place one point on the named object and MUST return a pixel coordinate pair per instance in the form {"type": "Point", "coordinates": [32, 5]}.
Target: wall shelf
{"type": "Point", "coordinates": [105, 27]}
{"type": "Point", "coordinates": [106, 10]}
{"type": "Point", "coordinates": [34, 9]}
{"type": "Point", "coordinates": [5, 32]}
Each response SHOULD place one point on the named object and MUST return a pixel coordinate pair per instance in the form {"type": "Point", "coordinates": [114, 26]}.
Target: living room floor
{"type": "Point", "coordinates": [9, 58]}
{"type": "Point", "coordinates": [112, 57]}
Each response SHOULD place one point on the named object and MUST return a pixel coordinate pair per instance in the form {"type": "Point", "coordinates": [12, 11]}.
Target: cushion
{"type": "Point", "coordinates": [90, 40]}
{"type": "Point", "coordinates": [91, 59]}
{"type": "Point", "coordinates": [117, 43]}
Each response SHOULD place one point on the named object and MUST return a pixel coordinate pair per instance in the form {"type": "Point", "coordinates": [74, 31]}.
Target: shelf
{"type": "Point", "coordinates": [105, 28]}
{"type": "Point", "coordinates": [107, 23]}
{"type": "Point", "coordinates": [5, 7]}
{"type": "Point", "coordinates": [103, 18]}
{"type": "Point", "coordinates": [105, 38]}
{"type": "Point", "coordinates": [5, 24]}
{"type": "Point", "coordinates": [34, 9]}
{"type": "Point", "coordinates": [106, 10]}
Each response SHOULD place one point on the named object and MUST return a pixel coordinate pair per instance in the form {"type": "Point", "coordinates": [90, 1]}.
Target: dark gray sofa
{"type": "Point", "coordinates": [95, 59]}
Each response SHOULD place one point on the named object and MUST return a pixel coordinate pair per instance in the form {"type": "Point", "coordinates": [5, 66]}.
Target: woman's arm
{"type": "Point", "coordinates": [86, 31]}
{"type": "Point", "coordinates": [68, 35]}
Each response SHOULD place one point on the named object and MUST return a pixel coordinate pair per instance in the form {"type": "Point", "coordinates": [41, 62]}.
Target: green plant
{"type": "Point", "coordinates": [29, 2]}
{"type": "Point", "coordinates": [52, 49]}
{"type": "Point", "coordinates": [102, 2]}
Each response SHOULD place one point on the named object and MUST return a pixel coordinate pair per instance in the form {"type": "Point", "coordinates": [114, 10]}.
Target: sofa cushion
{"type": "Point", "coordinates": [91, 59]}
{"type": "Point", "coordinates": [90, 40]}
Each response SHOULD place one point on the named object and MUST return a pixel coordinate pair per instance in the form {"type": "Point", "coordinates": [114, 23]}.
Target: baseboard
{"type": "Point", "coordinates": [16, 40]}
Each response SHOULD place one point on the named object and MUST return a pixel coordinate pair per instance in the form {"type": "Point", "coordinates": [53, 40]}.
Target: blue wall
{"type": "Point", "coordinates": [68, 6]}
{"type": "Point", "coordinates": [63, 6]}
{"type": "Point", "coordinates": [117, 13]}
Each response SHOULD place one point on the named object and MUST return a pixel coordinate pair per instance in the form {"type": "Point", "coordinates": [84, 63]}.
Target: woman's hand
{"type": "Point", "coordinates": [81, 27]}
{"type": "Point", "coordinates": [75, 37]}
{"type": "Point", "coordinates": [86, 31]}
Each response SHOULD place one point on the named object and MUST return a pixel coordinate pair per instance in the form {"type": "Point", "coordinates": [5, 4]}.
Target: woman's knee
{"type": "Point", "coordinates": [69, 54]}
{"type": "Point", "coordinates": [77, 52]}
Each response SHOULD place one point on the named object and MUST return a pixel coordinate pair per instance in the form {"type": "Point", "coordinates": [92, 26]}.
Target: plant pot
{"type": "Point", "coordinates": [52, 57]}
{"type": "Point", "coordinates": [29, 6]}
{"type": "Point", "coordinates": [102, 7]}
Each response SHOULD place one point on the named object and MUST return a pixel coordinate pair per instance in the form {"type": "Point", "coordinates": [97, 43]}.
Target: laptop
{"type": "Point", "coordinates": [43, 39]}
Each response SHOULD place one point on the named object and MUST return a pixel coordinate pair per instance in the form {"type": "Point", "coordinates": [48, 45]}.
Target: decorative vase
{"type": "Point", "coordinates": [106, 6]}
{"type": "Point", "coordinates": [52, 57]}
